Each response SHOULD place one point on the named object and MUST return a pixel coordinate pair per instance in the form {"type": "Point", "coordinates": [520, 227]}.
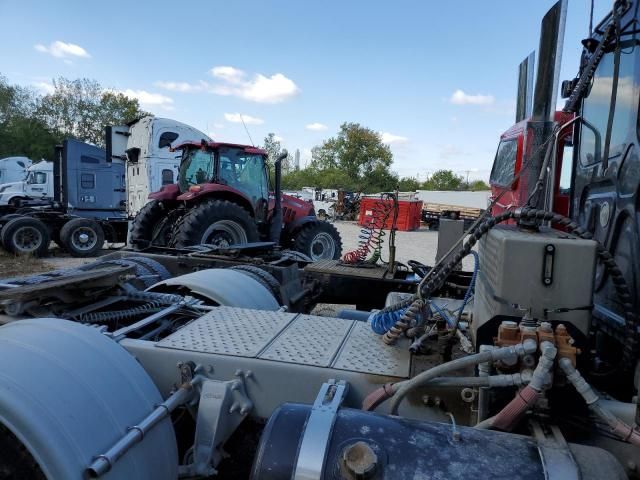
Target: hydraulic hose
{"type": "Point", "coordinates": [617, 426]}
{"type": "Point", "coordinates": [526, 398]}
{"type": "Point", "coordinates": [401, 389]}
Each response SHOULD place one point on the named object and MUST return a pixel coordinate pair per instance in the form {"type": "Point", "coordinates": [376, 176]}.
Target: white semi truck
{"type": "Point", "coordinates": [145, 147]}
{"type": "Point", "coordinates": [36, 183]}
{"type": "Point", "coordinates": [13, 169]}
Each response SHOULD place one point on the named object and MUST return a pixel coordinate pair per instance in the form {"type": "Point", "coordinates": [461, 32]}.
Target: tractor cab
{"type": "Point", "coordinates": [235, 169]}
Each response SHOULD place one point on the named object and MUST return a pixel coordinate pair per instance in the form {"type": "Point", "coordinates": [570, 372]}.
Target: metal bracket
{"type": "Point", "coordinates": [557, 459]}
{"type": "Point", "coordinates": [222, 407]}
{"type": "Point", "coordinates": [318, 430]}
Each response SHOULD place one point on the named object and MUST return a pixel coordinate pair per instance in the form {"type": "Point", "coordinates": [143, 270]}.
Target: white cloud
{"type": "Point", "coordinates": [228, 74]}
{"type": "Point", "coordinates": [278, 138]}
{"type": "Point", "coordinates": [261, 89]}
{"type": "Point", "coordinates": [390, 138]}
{"type": "Point", "coordinates": [459, 97]}
{"type": "Point", "coordinates": [60, 49]}
{"type": "Point", "coordinates": [239, 117]}
{"type": "Point", "coordinates": [150, 99]}
{"type": "Point", "coordinates": [44, 87]}
{"type": "Point", "coordinates": [316, 127]}
{"type": "Point", "coordinates": [183, 87]}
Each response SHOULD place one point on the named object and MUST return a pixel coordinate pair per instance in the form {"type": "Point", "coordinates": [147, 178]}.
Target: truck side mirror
{"type": "Point", "coordinates": [567, 87]}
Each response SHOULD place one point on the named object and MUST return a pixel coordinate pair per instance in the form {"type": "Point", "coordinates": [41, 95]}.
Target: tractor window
{"type": "Point", "coordinates": [504, 166]}
{"type": "Point", "coordinates": [166, 138]}
{"type": "Point", "coordinates": [595, 112]}
{"type": "Point", "coordinates": [167, 176]}
{"type": "Point", "coordinates": [244, 172]}
{"type": "Point", "coordinates": [196, 168]}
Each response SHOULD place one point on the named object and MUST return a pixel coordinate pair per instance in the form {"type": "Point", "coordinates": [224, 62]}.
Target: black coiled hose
{"type": "Point", "coordinates": [436, 280]}
{"type": "Point", "coordinates": [118, 315]}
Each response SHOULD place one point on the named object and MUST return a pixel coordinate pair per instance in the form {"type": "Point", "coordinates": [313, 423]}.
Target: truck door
{"type": "Point", "coordinates": [37, 184]}
{"type": "Point", "coordinates": [606, 198]}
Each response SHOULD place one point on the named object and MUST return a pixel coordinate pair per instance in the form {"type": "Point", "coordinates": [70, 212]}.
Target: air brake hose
{"type": "Point", "coordinates": [620, 284]}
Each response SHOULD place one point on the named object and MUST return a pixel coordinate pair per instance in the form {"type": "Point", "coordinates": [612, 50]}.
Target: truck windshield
{"type": "Point", "coordinates": [244, 172]}
{"type": "Point", "coordinates": [196, 168]}
{"type": "Point", "coordinates": [503, 171]}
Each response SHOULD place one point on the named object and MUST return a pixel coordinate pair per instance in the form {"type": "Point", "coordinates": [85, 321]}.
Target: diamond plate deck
{"type": "Point", "coordinates": [365, 352]}
{"type": "Point", "coordinates": [292, 338]}
{"type": "Point", "coordinates": [229, 331]}
{"type": "Point", "coordinates": [335, 268]}
{"type": "Point", "coordinates": [309, 340]}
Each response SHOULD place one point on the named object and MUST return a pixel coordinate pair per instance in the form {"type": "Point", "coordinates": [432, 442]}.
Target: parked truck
{"type": "Point", "coordinates": [13, 169]}
{"type": "Point", "coordinates": [34, 188]}
{"type": "Point", "coordinates": [87, 208]}
{"type": "Point", "coordinates": [529, 373]}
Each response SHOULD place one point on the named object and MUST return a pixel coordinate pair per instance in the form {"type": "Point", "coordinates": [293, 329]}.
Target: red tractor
{"type": "Point", "coordinates": [222, 198]}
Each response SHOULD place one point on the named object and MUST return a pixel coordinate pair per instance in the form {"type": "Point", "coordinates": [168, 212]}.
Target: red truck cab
{"type": "Point", "coordinates": [513, 150]}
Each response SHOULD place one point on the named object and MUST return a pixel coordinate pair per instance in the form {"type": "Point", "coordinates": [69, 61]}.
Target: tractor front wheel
{"type": "Point", "coordinates": [219, 223]}
{"type": "Point", "coordinates": [319, 240]}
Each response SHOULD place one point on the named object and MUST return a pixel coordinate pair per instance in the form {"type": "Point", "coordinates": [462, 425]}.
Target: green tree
{"type": "Point", "coordinates": [408, 184]}
{"type": "Point", "coordinates": [21, 134]}
{"type": "Point", "coordinates": [360, 153]}
{"type": "Point", "coordinates": [360, 156]}
{"type": "Point", "coordinates": [443, 180]}
{"type": "Point", "coordinates": [478, 185]}
{"type": "Point", "coordinates": [81, 109]}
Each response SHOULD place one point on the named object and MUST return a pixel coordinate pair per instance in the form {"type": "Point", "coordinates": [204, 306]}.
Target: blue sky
{"type": "Point", "coordinates": [437, 79]}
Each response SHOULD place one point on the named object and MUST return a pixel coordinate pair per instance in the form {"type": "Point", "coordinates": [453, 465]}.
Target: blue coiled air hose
{"type": "Point", "coordinates": [381, 322]}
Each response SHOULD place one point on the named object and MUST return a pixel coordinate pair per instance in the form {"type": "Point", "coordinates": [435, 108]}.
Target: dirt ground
{"type": "Point", "coordinates": [420, 245]}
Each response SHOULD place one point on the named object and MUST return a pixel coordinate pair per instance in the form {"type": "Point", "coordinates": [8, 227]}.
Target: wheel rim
{"type": "Point", "coordinates": [224, 233]}
{"type": "Point", "coordinates": [27, 239]}
{"type": "Point", "coordinates": [84, 238]}
{"type": "Point", "coordinates": [322, 247]}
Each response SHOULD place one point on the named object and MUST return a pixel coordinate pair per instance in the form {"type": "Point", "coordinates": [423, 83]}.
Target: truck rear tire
{"type": "Point", "coordinates": [319, 240]}
{"type": "Point", "coordinates": [25, 236]}
{"type": "Point", "coordinates": [151, 225]}
{"type": "Point", "coordinates": [16, 463]}
{"type": "Point", "coordinates": [82, 237]}
{"type": "Point", "coordinates": [217, 222]}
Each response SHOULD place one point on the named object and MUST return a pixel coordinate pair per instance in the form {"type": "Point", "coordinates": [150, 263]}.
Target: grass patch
{"type": "Point", "coordinates": [13, 266]}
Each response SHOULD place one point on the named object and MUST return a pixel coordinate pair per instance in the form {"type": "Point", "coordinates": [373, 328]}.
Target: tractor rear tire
{"type": "Point", "coordinates": [26, 236]}
{"type": "Point", "coordinates": [217, 222]}
{"type": "Point", "coordinates": [151, 226]}
{"type": "Point", "coordinates": [82, 237]}
{"type": "Point", "coordinates": [319, 240]}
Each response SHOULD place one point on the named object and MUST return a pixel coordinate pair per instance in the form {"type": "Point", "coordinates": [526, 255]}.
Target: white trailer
{"type": "Point", "coordinates": [151, 163]}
